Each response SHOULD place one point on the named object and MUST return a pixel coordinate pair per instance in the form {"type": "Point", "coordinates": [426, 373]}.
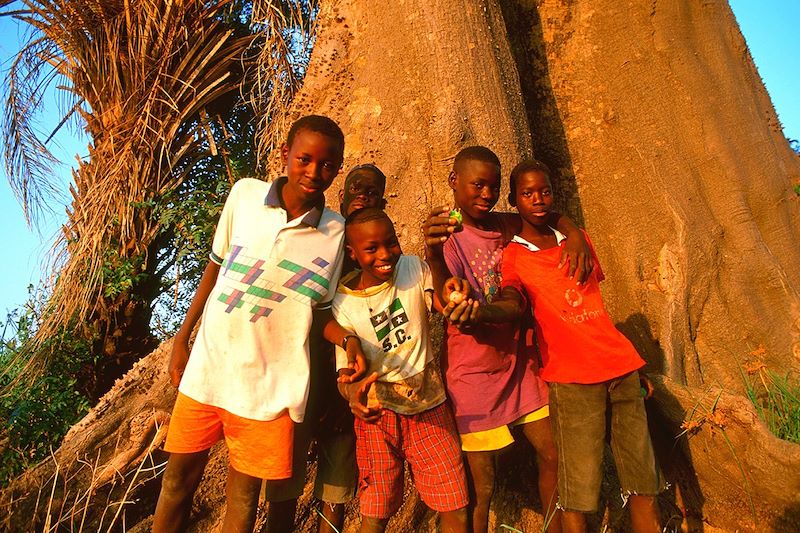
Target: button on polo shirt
{"type": "Point", "coordinates": [251, 353]}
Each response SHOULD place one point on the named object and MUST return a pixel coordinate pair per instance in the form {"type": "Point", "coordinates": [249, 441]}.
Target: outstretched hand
{"type": "Point", "coordinates": [455, 290]}
{"type": "Point", "coordinates": [439, 226]}
{"type": "Point", "coordinates": [356, 394]}
{"type": "Point", "coordinates": [578, 255]}
{"type": "Point", "coordinates": [463, 315]}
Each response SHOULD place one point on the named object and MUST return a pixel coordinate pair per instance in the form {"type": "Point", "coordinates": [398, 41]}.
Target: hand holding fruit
{"type": "Point", "coordinates": [460, 309]}
{"type": "Point", "coordinates": [441, 223]}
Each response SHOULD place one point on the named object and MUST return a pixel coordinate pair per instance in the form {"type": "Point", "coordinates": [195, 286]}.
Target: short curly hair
{"type": "Point", "coordinates": [475, 153]}
{"type": "Point", "coordinates": [318, 124]}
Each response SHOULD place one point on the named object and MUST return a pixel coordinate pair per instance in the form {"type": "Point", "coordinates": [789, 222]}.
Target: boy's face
{"type": "Point", "coordinates": [476, 189]}
{"type": "Point", "coordinates": [312, 161]}
{"type": "Point", "coordinates": [362, 189]}
{"type": "Point", "coordinates": [374, 246]}
{"type": "Point", "coordinates": [534, 197]}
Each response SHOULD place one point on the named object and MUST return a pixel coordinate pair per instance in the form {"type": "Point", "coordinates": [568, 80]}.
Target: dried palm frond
{"type": "Point", "coordinates": [140, 75]}
{"type": "Point", "coordinates": [139, 78]}
{"type": "Point", "coordinates": [286, 35]}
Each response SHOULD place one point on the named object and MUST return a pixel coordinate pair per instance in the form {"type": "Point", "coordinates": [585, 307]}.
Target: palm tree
{"type": "Point", "coordinates": [141, 78]}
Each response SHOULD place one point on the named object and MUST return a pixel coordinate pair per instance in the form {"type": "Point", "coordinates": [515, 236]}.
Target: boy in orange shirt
{"type": "Point", "coordinates": [586, 361]}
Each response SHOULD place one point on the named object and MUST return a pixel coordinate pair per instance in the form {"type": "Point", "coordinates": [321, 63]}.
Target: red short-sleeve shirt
{"type": "Point", "coordinates": [577, 339]}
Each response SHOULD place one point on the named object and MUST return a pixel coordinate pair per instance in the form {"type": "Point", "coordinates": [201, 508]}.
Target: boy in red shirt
{"type": "Point", "coordinates": [586, 361]}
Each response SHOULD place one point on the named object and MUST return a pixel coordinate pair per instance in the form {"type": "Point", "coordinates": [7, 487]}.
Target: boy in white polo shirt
{"type": "Point", "coordinates": [275, 258]}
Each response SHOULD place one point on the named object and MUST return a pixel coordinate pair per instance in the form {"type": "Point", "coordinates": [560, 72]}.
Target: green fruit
{"type": "Point", "coordinates": [456, 214]}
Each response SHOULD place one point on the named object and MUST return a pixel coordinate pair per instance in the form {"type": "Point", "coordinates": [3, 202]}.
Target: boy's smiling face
{"type": "Point", "coordinates": [476, 189]}
{"type": "Point", "coordinates": [374, 246]}
{"type": "Point", "coordinates": [312, 162]}
{"type": "Point", "coordinates": [534, 197]}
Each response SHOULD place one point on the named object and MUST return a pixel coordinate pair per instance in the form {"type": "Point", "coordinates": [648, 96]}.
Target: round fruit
{"type": "Point", "coordinates": [456, 214]}
{"type": "Point", "coordinates": [456, 297]}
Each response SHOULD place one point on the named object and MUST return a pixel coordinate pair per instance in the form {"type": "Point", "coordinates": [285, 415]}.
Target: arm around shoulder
{"type": "Point", "coordinates": [576, 251]}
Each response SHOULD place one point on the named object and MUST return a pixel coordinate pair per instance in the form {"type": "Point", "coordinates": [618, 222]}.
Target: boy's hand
{"type": "Point", "coordinates": [463, 315]}
{"type": "Point", "coordinates": [646, 385]}
{"type": "Point", "coordinates": [439, 226]}
{"type": "Point", "coordinates": [356, 396]}
{"type": "Point", "coordinates": [178, 360]}
{"type": "Point", "coordinates": [356, 362]}
{"type": "Point", "coordinates": [577, 253]}
{"type": "Point", "coordinates": [455, 290]}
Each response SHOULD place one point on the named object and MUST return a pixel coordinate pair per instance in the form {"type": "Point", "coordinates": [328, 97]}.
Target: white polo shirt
{"type": "Point", "coordinates": [251, 353]}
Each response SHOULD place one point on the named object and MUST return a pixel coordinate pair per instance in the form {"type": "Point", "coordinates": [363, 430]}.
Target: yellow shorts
{"type": "Point", "coordinates": [499, 437]}
{"type": "Point", "coordinates": [257, 448]}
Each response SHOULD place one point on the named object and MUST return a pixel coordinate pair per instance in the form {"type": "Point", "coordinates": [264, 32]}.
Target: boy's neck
{"type": "Point", "coordinates": [542, 236]}
{"type": "Point", "coordinates": [362, 284]}
{"type": "Point", "coordinates": [295, 207]}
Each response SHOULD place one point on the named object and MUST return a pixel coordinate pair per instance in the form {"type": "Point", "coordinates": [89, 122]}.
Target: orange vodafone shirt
{"type": "Point", "coordinates": [577, 339]}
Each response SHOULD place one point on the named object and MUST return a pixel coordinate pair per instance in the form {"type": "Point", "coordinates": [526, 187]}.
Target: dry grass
{"type": "Point", "coordinates": [68, 500]}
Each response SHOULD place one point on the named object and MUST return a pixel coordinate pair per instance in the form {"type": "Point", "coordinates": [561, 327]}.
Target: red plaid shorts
{"type": "Point", "coordinates": [429, 442]}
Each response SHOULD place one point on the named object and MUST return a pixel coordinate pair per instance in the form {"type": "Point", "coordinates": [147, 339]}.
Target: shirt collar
{"type": "Point", "coordinates": [532, 247]}
{"type": "Point", "coordinates": [273, 199]}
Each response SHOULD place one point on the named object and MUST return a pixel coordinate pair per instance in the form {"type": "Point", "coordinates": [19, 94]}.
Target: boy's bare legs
{"type": "Point", "coordinates": [333, 513]}
{"type": "Point", "coordinates": [373, 525]}
{"type": "Point", "coordinates": [480, 479]}
{"type": "Point", "coordinates": [280, 517]}
{"type": "Point", "coordinates": [644, 514]}
{"type": "Point", "coordinates": [540, 435]}
{"type": "Point", "coordinates": [453, 521]}
{"type": "Point", "coordinates": [573, 522]}
{"type": "Point", "coordinates": [242, 493]}
{"type": "Point", "coordinates": [644, 517]}
{"type": "Point", "coordinates": [181, 478]}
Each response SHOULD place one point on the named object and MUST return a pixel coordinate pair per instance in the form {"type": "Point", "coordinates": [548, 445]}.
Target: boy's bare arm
{"type": "Point", "coordinates": [576, 250]}
{"type": "Point", "coordinates": [180, 343]}
{"type": "Point", "coordinates": [507, 308]}
{"type": "Point", "coordinates": [334, 333]}
{"type": "Point", "coordinates": [437, 229]}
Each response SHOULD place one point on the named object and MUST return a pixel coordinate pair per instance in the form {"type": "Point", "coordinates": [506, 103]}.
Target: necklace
{"type": "Point", "coordinates": [364, 293]}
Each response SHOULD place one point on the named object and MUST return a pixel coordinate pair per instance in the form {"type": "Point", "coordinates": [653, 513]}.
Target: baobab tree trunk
{"type": "Point", "coordinates": [666, 147]}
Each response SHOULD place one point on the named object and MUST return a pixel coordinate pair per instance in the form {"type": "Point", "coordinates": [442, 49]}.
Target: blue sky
{"type": "Point", "coordinates": [769, 26]}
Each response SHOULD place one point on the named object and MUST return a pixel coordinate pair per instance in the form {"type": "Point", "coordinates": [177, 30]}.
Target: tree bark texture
{"type": "Point", "coordinates": [665, 146]}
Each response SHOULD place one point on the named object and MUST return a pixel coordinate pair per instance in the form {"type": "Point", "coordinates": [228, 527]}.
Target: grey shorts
{"type": "Point", "coordinates": [337, 472]}
{"type": "Point", "coordinates": [578, 414]}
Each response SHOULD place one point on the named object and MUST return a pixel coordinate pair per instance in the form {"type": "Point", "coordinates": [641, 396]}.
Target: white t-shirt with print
{"type": "Point", "coordinates": [251, 353]}
{"type": "Point", "coordinates": [391, 320]}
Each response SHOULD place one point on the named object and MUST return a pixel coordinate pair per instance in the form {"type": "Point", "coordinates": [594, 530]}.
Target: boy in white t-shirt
{"type": "Point", "coordinates": [275, 259]}
{"type": "Point", "coordinates": [402, 412]}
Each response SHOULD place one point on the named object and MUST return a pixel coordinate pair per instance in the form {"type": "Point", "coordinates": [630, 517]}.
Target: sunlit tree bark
{"type": "Point", "coordinates": [668, 150]}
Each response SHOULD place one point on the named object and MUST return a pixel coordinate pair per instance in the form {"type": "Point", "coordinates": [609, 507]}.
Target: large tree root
{"type": "Point", "coordinates": [727, 472]}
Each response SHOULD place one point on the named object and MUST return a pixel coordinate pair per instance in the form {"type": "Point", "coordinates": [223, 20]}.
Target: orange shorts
{"type": "Point", "coordinates": [257, 448]}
